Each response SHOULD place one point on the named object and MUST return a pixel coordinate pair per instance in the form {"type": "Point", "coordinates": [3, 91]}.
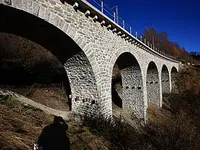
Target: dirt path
{"type": "Point", "coordinates": [26, 101]}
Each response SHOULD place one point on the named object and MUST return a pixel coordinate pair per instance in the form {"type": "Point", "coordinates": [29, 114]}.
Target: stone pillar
{"type": "Point", "coordinates": [145, 97]}
{"type": "Point", "coordinates": [173, 79]}
{"type": "Point", "coordinates": [132, 101]}
{"type": "Point", "coordinates": [153, 87]}
{"type": "Point", "coordinates": [160, 88]}
{"type": "Point", "coordinates": [84, 96]}
{"type": "Point", "coordinates": [165, 82]}
{"type": "Point", "coordinates": [170, 82]}
{"type": "Point", "coordinates": [173, 82]}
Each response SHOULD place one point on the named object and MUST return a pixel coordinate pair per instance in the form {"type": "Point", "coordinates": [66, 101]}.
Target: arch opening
{"type": "Point", "coordinates": [32, 71]}
{"type": "Point", "coordinates": [127, 89]}
{"type": "Point", "coordinates": [77, 67]}
{"type": "Point", "coordinates": [174, 74]}
{"type": "Point", "coordinates": [165, 80]}
{"type": "Point", "coordinates": [153, 87]}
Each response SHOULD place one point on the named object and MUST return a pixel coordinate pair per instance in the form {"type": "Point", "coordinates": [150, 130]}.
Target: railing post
{"type": "Point", "coordinates": [130, 30]}
{"type": "Point", "coordinates": [102, 6]}
{"type": "Point", "coordinates": [123, 24]}
{"type": "Point", "coordinates": [141, 38]}
{"type": "Point", "coordinates": [114, 16]}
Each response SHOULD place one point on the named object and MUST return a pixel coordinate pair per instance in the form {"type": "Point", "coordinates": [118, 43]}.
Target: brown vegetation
{"type": "Point", "coordinates": [189, 80]}
{"type": "Point", "coordinates": [20, 124]}
{"type": "Point", "coordinates": [51, 95]}
{"type": "Point", "coordinates": [162, 42]}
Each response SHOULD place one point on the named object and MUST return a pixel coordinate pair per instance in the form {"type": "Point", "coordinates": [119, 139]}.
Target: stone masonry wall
{"type": "Point", "coordinates": [83, 85]}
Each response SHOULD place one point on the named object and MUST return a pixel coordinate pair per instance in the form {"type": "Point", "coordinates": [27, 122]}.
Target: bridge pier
{"type": "Point", "coordinates": [84, 95]}
{"type": "Point", "coordinates": [165, 80]}
{"type": "Point", "coordinates": [132, 91]}
{"type": "Point", "coordinates": [153, 84]}
{"type": "Point", "coordinates": [131, 88]}
{"type": "Point", "coordinates": [173, 79]}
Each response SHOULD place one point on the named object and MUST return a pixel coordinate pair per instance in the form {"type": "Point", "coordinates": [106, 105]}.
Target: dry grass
{"type": "Point", "coordinates": [168, 131]}
{"type": "Point", "coordinates": [188, 80]}
{"type": "Point", "coordinates": [157, 114]}
{"type": "Point", "coordinates": [20, 125]}
{"type": "Point", "coordinates": [53, 96]}
{"type": "Point", "coordinates": [177, 125]}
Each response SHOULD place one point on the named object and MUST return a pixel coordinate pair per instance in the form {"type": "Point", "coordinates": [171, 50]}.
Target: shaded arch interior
{"type": "Point", "coordinates": [153, 87]}
{"type": "Point", "coordinates": [26, 25]}
{"type": "Point", "coordinates": [174, 70]}
{"type": "Point", "coordinates": [77, 66]}
{"type": "Point", "coordinates": [174, 73]}
{"type": "Point", "coordinates": [30, 70]}
{"type": "Point", "coordinates": [127, 84]}
{"type": "Point", "coordinates": [165, 80]}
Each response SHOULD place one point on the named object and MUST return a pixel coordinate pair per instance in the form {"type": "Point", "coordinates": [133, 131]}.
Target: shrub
{"type": "Point", "coordinates": [8, 101]}
{"type": "Point", "coordinates": [120, 134]}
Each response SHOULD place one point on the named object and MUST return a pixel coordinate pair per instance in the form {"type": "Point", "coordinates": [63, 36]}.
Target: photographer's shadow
{"type": "Point", "coordinates": [54, 136]}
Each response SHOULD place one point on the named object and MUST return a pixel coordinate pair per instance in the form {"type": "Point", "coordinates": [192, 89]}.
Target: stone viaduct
{"type": "Point", "coordinates": [89, 45]}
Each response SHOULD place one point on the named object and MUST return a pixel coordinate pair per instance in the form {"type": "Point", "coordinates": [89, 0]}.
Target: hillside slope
{"type": "Point", "coordinates": [22, 124]}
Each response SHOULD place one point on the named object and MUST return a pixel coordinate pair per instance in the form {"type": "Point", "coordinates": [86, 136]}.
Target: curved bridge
{"type": "Point", "coordinates": [94, 52]}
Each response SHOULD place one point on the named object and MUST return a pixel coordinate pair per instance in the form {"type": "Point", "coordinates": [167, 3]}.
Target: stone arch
{"type": "Point", "coordinates": [127, 70]}
{"type": "Point", "coordinates": [165, 80]}
{"type": "Point", "coordinates": [174, 73]}
{"type": "Point", "coordinates": [44, 73]}
{"type": "Point", "coordinates": [61, 44]}
{"type": "Point", "coordinates": [152, 83]}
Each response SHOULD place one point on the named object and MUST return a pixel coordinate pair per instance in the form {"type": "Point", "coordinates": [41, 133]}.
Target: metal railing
{"type": "Point", "coordinates": [109, 12]}
{"type": "Point", "coordinates": [113, 15]}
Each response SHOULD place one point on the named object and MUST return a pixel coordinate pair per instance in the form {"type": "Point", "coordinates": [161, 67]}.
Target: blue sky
{"type": "Point", "coordinates": [179, 18]}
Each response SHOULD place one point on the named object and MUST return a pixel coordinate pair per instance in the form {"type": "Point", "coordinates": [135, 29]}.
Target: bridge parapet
{"type": "Point", "coordinates": [117, 27]}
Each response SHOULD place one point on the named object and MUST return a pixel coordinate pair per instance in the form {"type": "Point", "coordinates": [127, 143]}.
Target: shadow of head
{"type": "Point", "coordinates": [54, 136]}
{"type": "Point", "coordinates": [59, 121]}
